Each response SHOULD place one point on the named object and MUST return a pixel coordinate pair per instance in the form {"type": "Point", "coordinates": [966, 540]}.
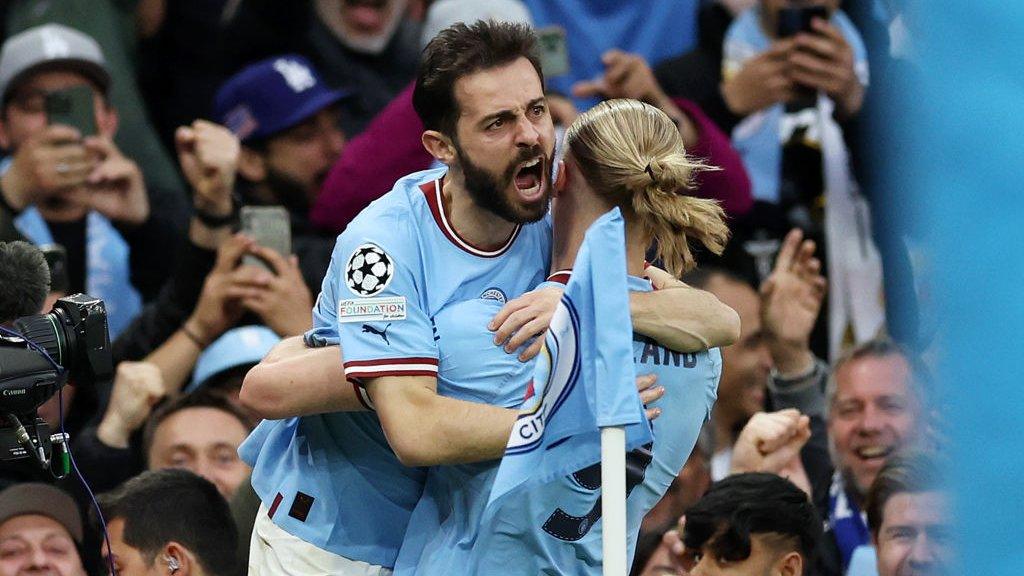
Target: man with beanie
{"type": "Point", "coordinates": [40, 531]}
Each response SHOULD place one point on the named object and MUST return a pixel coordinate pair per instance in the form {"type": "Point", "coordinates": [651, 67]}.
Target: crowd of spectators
{"type": "Point", "coordinates": [819, 455]}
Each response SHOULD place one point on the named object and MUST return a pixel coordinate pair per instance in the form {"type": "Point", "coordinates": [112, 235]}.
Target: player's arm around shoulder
{"type": "Point", "coordinates": [294, 380]}
{"type": "Point", "coordinates": [680, 317]}
{"type": "Point", "coordinates": [427, 429]}
{"type": "Point", "coordinates": [675, 315]}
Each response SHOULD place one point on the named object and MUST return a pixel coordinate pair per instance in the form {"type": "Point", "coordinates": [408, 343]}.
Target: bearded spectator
{"type": "Point", "coordinates": [369, 44]}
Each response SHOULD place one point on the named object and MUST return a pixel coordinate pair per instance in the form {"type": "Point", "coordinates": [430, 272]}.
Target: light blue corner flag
{"type": "Point", "coordinates": [585, 377]}
{"type": "Point", "coordinates": [967, 180]}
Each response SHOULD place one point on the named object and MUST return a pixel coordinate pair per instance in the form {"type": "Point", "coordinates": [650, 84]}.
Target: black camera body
{"type": "Point", "coordinates": [76, 342]}
{"type": "Point", "coordinates": [27, 379]}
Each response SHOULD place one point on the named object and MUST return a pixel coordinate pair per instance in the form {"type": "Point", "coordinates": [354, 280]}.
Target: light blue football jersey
{"type": "Point", "coordinates": [332, 479]}
{"type": "Point", "coordinates": [555, 528]}
{"type": "Point", "coordinates": [444, 527]}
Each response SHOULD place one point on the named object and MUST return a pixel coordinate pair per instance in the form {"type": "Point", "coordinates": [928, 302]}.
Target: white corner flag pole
{"type": "Point", "coordinates": [613, 500]}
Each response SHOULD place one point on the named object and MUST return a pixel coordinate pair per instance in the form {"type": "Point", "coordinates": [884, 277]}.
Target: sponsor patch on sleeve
{"type": "Point", "coordinates": [369, 270]}
{"type": "Point", "coordinates": [391, 308]}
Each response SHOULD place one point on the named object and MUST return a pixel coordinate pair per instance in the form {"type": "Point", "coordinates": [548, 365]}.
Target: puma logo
{"type": "Point", "coordinates": [382, 333]}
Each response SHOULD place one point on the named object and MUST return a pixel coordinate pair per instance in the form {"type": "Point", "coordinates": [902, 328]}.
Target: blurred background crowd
{"type": "Point", "coordinates": [199, 109]}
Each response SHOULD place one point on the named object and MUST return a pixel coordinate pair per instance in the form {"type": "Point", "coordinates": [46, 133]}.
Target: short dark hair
{"type": "Point", "coordinates": [162, 506]}
{"type": "Point", "coordinates": [741, 505]}
{"type": "Point", "coordinates": [200, 398]}
{"type": "Point", "coordinates": [913, 471]}
{"type": "Point", "coordinates": [26, 280]}
{"type": "Point", "coordinates": [461, 50]}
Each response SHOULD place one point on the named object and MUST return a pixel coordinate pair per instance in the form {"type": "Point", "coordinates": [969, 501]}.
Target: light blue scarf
{"type": "Point", "coordinates": [107, 274]}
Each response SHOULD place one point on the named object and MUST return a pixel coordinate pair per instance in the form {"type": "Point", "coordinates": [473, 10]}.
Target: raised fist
{"type": "Point", "coordinates": [209, 154]}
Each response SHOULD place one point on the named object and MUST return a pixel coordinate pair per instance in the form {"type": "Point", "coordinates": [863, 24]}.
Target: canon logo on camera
{"type": "Point", "coordinates": [14, 392]}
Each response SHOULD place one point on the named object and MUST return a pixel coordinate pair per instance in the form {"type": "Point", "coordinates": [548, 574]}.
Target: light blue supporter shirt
{"type": "Point", "coordinates": [555, 528]}
{"type": "Point", "coordinates": [332, 479]}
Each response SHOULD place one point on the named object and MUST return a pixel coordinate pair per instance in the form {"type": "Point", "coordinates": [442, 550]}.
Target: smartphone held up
{"type": "Point", "coordinates": [72, 107]}
{"type": "Point", "coordinates": [270, 227]}
{"type": "Point", "coordinates": [800, 20]}
{"type": "Point", "coordinates": [792, 21]}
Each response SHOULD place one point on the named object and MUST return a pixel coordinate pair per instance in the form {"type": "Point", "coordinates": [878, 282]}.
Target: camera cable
{"type": "Point", "coordinates": [66, 447]}
{"type": "Point", "coordinates": [36, 450]}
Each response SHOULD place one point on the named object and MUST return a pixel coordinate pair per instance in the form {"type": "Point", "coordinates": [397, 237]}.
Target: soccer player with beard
{"type": "Point", "coordinates": [625, 154]}
{"type": "Point", "coordinates": [338, 488]}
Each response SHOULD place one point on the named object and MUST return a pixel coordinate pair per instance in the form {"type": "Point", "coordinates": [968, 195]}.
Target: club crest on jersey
{"type": "Point", "coordinates": [369, 270]}
{"type": "Point", "coordinates": [494, 294]}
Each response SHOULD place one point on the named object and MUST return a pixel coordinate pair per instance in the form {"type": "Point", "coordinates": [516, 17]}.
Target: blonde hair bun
{"type": "Point", "coordinates": [632, 154]}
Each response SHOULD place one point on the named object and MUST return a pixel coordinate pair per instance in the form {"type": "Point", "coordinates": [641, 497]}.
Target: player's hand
{"type": "Point", "coordinates": [138, 386]}
{"type": "Point", "coordinates": [116, 187]}
{"type": "Point", "coordinates": [662, 280]}
{"type": "Point", "coordinates": [525, 318]}
{"type": "Point", "coordinates": [791, 299]}
{"type": "Point", "coordinates": [763, 81]}
{"type": "Point", "coordinates": [284, 302]}
{"type": "Point", "coordinates": [48, 163]}
{"type": "Point", "coordinates": [649, 393]}
{"type": "Point", "coordinates": [824, 61]}
{"type": "Point", "coordinates": [770, 442]}
{"type": "Point", "coordinates": [208, 154]}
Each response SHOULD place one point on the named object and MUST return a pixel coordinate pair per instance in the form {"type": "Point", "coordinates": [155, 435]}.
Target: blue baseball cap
{"type": "Point", "coordinates": [272, 95]}
{"type": "Point", "coordinates": [244, 346]}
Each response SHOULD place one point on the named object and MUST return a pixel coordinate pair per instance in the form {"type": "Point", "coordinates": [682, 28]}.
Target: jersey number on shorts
{"type": "Point", "coordinates": [569, 528]}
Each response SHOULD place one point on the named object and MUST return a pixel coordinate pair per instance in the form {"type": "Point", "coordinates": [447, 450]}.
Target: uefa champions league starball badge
{"type": "Point", "coordinates": [369, 270]}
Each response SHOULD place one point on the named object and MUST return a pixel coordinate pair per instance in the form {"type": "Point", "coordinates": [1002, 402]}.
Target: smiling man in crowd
{"type": "Point", "coordinates": [200, 432]}
{"type": "Point", "coordinates": [876, 406]}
